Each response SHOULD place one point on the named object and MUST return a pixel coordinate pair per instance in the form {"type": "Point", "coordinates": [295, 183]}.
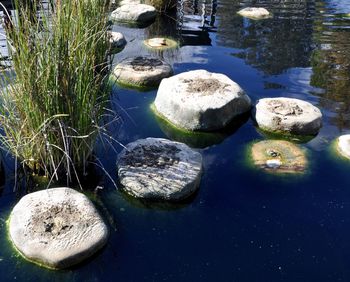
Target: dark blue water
{"type": "Point", "coordinates": [243, 224]}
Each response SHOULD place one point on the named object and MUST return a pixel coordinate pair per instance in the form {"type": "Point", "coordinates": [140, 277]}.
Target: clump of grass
{"type": "Point", "coordinates": [52, 111]}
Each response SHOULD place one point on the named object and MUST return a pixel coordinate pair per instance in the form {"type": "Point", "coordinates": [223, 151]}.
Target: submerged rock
{"type": "Point", "coordinates": [278, 156]}
{"type": "Point", "coordinates": [200, 100]}
{"type": "Point", "coordinates": [57, 228]}
{"type": "Point", "coordinates": [343, 145]}
{"type": "Point", "coordinates": [139, 13]}
{"type": "Point", "coordinates": [159, 169]}
{"type": "Point", "coordinates": [160, 43]}
{"type": "Point", "coordinates": [117, 40]}
{"type": "Point", "coordinates": [254, 13]}
{"type": "Point", "coordinates": [142, 71]}
{"type": "Point", "coordinates": [288, 115]}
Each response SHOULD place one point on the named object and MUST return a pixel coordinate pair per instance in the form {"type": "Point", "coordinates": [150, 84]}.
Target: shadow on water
{"type": "Point", "coordinates": [197, 139]}
{"type": "Point", "coordinates": [155, 204]}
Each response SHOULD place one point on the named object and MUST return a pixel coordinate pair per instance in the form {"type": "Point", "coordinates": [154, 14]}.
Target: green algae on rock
{"type": "Point", "coordinates": [278, 156]}
{"type": "Point", "coordinates": [160, 43]}
{"type": "Point", "coordinates": [197, 139]}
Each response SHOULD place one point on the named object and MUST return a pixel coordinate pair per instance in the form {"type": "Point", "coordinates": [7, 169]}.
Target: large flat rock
{"type": "Point", "coordinates": [159, 169]}
{"type": "Point", "coordinates": [139, 13]}
{"type": "Point", "coordinates": [288, 115]}
{"type": "Point", "coordinates": [141, 71]}
{"type": "Point", "coordinates": [200, 100]}
{"type": "Point", "coordinates": [57, 228]}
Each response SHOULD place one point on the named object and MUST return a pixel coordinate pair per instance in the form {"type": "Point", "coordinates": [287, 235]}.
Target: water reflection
{"type": "Point", "coordinates": [272, 45]}
{"type": "Point", "coordinates": [331, 63]}
{"type": "Point", "coordinates": [195, 20]}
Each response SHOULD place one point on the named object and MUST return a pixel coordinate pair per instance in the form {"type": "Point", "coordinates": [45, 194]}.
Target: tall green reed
{"type": "Point", "coordinates": [53, 110]}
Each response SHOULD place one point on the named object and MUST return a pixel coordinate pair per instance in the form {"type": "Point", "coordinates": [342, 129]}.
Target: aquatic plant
{"type": "Point", "coordinates": [54, 108]}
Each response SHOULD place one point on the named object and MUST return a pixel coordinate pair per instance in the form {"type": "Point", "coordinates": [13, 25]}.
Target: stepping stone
{"type": "Point", "coordinates": [160, 43]}
{"type": "Point", "coordinates": [139, 13]}
{"type": "Point", "coordinates": [200, 101]}
{"type": "Point", "coordinates": [126, 2]}
{"type": "Point", "coordinates": [57, 228]}
{"type": "Point", "coordinates": [278, 156]}
{"type": "Point", "coordinates": [117, 40]}
{"type": "Point", "coordinates": [141, 72]}
{"type": "Point", "coordinates": [159, 169]}
{"type": "Point", "coordinates": [254, 13]}
{"type": "Point", "coordinates": [343, 145]}
{"type": "Point", "coordinates": [288, 115]}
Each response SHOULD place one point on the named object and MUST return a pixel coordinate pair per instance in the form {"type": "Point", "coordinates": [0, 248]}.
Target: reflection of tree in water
{"type": "Point", "coordinates": [271, 45]}
{"type": "Point", "coordinates": [331, 65]}
{"type": "Point", "coordinates": [190, 24]}
{"type": "Point", "coordinates": [164, 26]}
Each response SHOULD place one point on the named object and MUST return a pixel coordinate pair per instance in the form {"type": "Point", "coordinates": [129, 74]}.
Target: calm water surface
{"type": "Point", "coordinates": [243, 225]}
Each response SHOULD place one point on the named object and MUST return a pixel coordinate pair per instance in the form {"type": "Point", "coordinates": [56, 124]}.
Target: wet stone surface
{"type": "Point", "coordinates": [159, 169]}
{"type": "Point", "coordinates": [152, 156]}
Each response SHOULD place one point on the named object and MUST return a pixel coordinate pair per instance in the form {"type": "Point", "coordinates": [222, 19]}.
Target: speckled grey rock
{"type": "Point", "coordinates": [117, 40]}
{"type": "Point", "coordinates": [343, 145]}
{"type": "Point", "coordinates": [288, 115]}
{"type": "Point", "coordinates": [142, 71]}
{"type": "Point", "coordinates": [200, 100]}
{"type": "Point", "coordinates": [140, 13]}
{"type": "Point", "coordinates": [254, 13]}
{"type": "Point", "coordinates": [57, 228]}
{"type": "Point", "coordinates": [159, 169]}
